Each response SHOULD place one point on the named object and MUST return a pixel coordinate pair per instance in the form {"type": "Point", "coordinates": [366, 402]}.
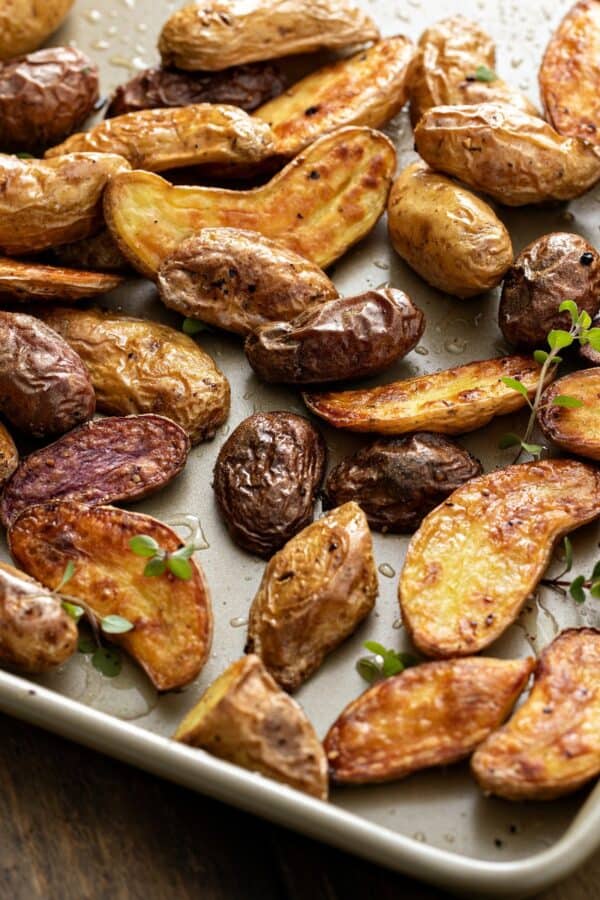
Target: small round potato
{"type": "Point", "coordinates": [25, 25]}
{"type": "Point", "coordinates": [556, 267]}
{"type": "Point", "coordinates": [573, 426]}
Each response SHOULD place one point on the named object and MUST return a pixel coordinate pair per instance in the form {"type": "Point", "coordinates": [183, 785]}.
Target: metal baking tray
{"type": "Point", "coordinates": [435, 825]}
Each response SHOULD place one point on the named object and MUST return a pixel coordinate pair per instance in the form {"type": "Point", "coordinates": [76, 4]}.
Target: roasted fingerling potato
{"type": "Point", "coordinates": [314, 593]}
{"type": "Point", "coordinates": [32, 282]}
{"type": "Point", "coordinates": [172, 617]}
{"type": "Point", "coordinates": [551, 745]}
{"type": "Point", "coordinates": [479, 556]}
{"type": "Point", "coordinates": [99, 253]}
{"type": "Point", "coordinates": [9, 455]}
{"type": "Point", "coordinates": [463, 252]}
{"type": "Point", "coordinates": [575, 426]}
{"type": "Point", "coordinates": [25, 26]}
{"type": "Point", "coordinates": [319, 205]}
{"type": "Point", "coordinates": [429, 715]}
{"type": "Point", "coordinates": [245, 718]}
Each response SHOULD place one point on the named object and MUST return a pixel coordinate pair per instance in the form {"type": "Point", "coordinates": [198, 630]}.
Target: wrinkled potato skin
{"type": "Point", "coordinates": [429, 715]}
{"type": "Point", "coordinates": [29, 282]}
{"type": "Point", "coordinates": [319, 205]}
{"type": "Point", "coordinates": [398, 482]}
{"type": "Point", "coordinates": [453, 401]}
{"type": "Point", "coordinates": [48, 202]}
{"type": "Point", "coordinates": [478, 557]}
{"type": "Point", "coordinates": [9, 455]}
{"type": "Point", "coordinates": [314, 593]}
{"type": "Point", "coordinates": [551, 745]}
{"type": "Point", "coordinates": [348, 337]}
{"type": "Point", "coordinates": [546, 272]}
{"type": "Point", "coordinates": [44, 97]}
{"type": "Point", "coordinates": [172, 618]}
{"type": "Point", "coordinates": [99, 253]}
{"type": "Point", "coordinates": [25, 24]}
{"type": "Point", "coordinates": [36, 634]}
{"type": "Point", "coordinates": [245, 718]}
{"type": "Point", "coordinates": [140, 366]}
{"type": "Point", "coordinates": [464, 252]}
{"type": "Point", "coordinates": [159, 139]}
{"type": "Point", "coordinates": [511, 156]}
{"type": "Point", "coordinates": [110, 460]}
{"type": "Point", "coordinates": [44, 386]}
{"type": "Point", "coordinates": [576, 430]}
{"type": "Point", "coordinates": [217, 34]}
{"type": "Point", "coordinates": [266, 479]}
{"type": "Point", "coordinates": [238, 280]}
{"type": "Point", "coordinates": [367, 89]}
{"type": "Point", "coordinates": [570, 73]}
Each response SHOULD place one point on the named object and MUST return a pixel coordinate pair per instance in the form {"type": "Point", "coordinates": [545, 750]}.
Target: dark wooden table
{"type": "Point", "coordinates": [75, 825]}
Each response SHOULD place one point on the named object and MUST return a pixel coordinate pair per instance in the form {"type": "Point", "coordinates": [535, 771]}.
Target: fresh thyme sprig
{"type": "Point", "coordinates": [578, 586]}
{"type": "Point", "coordinates": [383, 663]}
{"type": "Point", "coordinates": [176, 561]}
{"type": "Point", "coordinates": [483, 73]}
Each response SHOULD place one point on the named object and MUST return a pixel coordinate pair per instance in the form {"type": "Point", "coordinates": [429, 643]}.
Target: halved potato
{"type": "Point", "coordinates": [366, 89]}
{"type": "Point", "coordinates": [570, 73]}
{"type": "Point", "coordinates": [322, 203]}
{"type": "Point", "coordinates": [429, 715]}
{"type": "Point", "coordinates": [477, 558]}
{"type": "Point", "coordinates": [452, 402]}
{"type": "Point", "coordinates": [9, 455]}
{"type": "Point", "coordinates": [31, 281]}
{"type": "Point", "coordinates": [551, 746]}
{"type": "Point", "coordinates": [98, 253]}
{"type": "Point", "coordinates": [245, 718]}
{"type": "Point", "coordinates": [573, 428]}
{"type": "Point", "coordinates": [172, 618]}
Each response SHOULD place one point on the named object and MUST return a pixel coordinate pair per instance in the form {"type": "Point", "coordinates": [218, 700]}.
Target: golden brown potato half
{"type": "Point", "coordinates": [445, 66]}
{"type": "Point", "coordinates": [570, 73]}
{"type": "Point", "coordinates": [366, 89]}
{"type": "Point", "coordinates": [48, 202]}
{"type": "Point", "coordinates": [314, 593]}
{"type": "Point", "coordinates": [33, 282]}
{"type": "Point", "coordinates": [216, 34]}
{"type": "Point", "coordinates": [158, 139]}
{"type": "Point", "coordinates": [551, 745]}
{"type": "Point", "coordinates": [322, 203]}
{"type": "Point", "coordinates": [511, 156]}
{"type": "Point", "coordinates": [463, 252]}
{"type": "Point", "coordinates": [36, 633]}
{"type": "Point", "coordinates": [245, 718]}
{"type": "Point", "coordinates": [429, 715]}
{"type": "Point", "coordinates": [571, 427]}
{"type": "Point", "coordinates": [172, 618]}
{"type": "Point", "coordinates": [25, 25]}
{"type": "Point", "coordinates": [9, 455]}
{"type": "Point", "coordinates": [140, 366]}
{"type": "Point", "coordinates": [477, 558]}
{"type": "Point", "coordinates": [451, 402]}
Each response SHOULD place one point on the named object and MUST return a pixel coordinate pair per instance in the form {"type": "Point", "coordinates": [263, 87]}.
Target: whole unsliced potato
{"type": "Point", "coordinates": [514, 157]}
{"type": "Point", "coordinates": [574, 427]}
{"type": "Point", "coordinates": [9, 455]}
{"type": "Point", "coordinates": [449, 236]}
{"type": "Point", "coordinates": [29, 282]}
{"type": "Point", "coordinates": [99, 253]}
{"type": "Point", "coordinates": [25, 24]}
{"type": "Point", "coordinates": [556, 267]}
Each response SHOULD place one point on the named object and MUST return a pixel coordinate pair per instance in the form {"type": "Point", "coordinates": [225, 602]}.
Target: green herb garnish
{"type": "Point", "coordinates": [483, 73]}
{"type": "Point", "coordinates": [384, 663]}
{"type": "Point", "coordinates": [177, 562]}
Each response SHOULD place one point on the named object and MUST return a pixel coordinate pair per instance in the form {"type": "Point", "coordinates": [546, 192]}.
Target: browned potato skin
{"type": "Point", "coordinates": [314, 593]}
{"type": "Point", "coordinates": [159, 139]}
{"type": "Point", "coordinates": [44, 386]}
{"type": "Point", "coordinates": [48, 202]}
{"type": "Point", "coordinates": [217, 34]}
{"type": "Point", "coordinates": [99, 253]}
{"type": "Point", "coordinates": [172, 618]}
{"type": "Point", "coordinates": [29, 282]}
{"type": "Point", "coordinates": [245, 718]}
{"type": "Point", "coordinates": [319, 205]}
{"type": "Point", "coordinates": [576, 430]}
{"type": "Point", "coordinates": [25, 25]}
{"type": "Point", "coordinates": [587, 354]}
{"type": "Point", "coordinates": [553, 268]}
{"type": "Point", "coordinates": [464, 252]}
{"type": "Point", "coordinates": [344, 338]}
{"type": "Point", "coordinates": [478, 557]}
{"type": "Point", "coordinates": [9, 455]}
{"type": "Point", "coordinates": [44, 97]}
{"type": "Point", "coordinates": [36, 634]}
{"type": "Point", "coordinates": [429, 715]}
{"type": "Point", "coordinates": [367, 89]}
{"type": "Point", "coordinates": [453, 401]}
{"type": "Point", "coordinates": [266, 479]}
{"type": "Point", "coordinates": [513, 157]}
{"type": "Point", "coordinates": [238, 280]}
{"type": "Point", "coordinates": [551, 745]}
{"type": "Point", "coordinates": [570, 73]}
{"type": "Point", "coordinates": [140, 366]}
{"type": "Point", "coordinates": [398, 482]}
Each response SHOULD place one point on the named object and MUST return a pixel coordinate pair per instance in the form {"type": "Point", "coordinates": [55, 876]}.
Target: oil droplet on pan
{"type": "Point", "coordinates": [238, 622]}
{"type": "Point", "coordinates": [387, 570]}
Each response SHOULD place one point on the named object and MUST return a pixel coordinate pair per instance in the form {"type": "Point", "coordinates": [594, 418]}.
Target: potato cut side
{"type": "Point", "coordinates": [321, 204]}
{"type": "Point", "coordinates": [551, 746]}
{"type": "Point", "coordinates": [429, 715]}
{"type": "Point", "coordinates": [451, 402]}
{"type": "Point", "coordinates": [9, 455]}
{"type": "Point", "coordinates": [245, 718]}
{"type": "Point", "coordinates": [366, 89]}
{"type": "Point", "coordinates": [573, 428]}
{"type": "Point", "coordinates": [172, 618]}
{"type": "Point", "coordinates": [477, 558]}
{"type": "Point", "coordinates": [30, 281]}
